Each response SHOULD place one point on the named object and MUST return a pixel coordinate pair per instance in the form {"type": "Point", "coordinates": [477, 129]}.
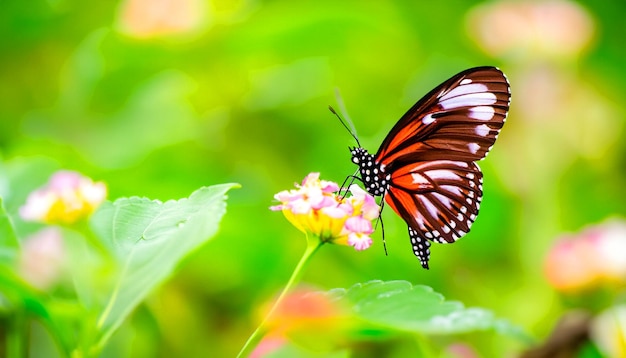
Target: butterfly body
{"type": "Point", "coordinates": [425, 168]}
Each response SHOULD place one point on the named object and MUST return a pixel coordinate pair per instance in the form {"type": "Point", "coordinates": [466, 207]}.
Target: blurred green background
{"type": "Point", "coordinates": [160, 97]}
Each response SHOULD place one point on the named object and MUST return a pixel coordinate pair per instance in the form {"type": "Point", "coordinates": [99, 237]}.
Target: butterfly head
{"type": "Point", "coordinates": [373, 175]}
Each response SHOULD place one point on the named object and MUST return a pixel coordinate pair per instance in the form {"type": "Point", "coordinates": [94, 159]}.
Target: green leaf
{"type": "Point", "coordinates": [399, 305]}
{"type": "Point", "coordinates": [149, 238]}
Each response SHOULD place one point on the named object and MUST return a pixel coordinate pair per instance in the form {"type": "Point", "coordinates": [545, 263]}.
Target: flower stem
{"type": "Point", "coordinates": [424, 346]}
{"type": "Point", "coordinates": [312, 245]}
{"type": "Point", "coordinates": [15, 334]}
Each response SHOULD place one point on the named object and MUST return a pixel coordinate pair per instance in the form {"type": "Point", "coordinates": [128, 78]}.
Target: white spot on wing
{"type": "Point", "coordinates": [483, 113]}
{"type": "Point", "coordinates": [418, 178]}
{"type": "Point", "coordinates": [455, 190]}
{"type": "Point", "coordinates": [473, 147]}
{"type": "Point", "coordinates": [442, 174]}
{"type": "Point", "coordinates": [429, 206]}
{"type": "Point", "coordinates": [465, 89]}
{"type": "Point", "coordinates": [482, 130]}
{"type": "Point", "coordinates": [428, 119]}
{"type": "Point", "coordinates": [443, 199]}
{"type": "Point", "coordinates": [466, 81]}
{"type": "Point", "coordinates": [469, 100]}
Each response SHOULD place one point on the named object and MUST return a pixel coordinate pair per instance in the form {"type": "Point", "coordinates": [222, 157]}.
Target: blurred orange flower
{"type": "Point", "coordinates": [596, 256]}
{"type": "Point", "coordinates": [67, 198]}
{"type": "Point", "coordinates": [544, 28]}
{"type": "Point", "coordinates": [303, 313]}
{"type": "Point", "coordinates": [153, 18]}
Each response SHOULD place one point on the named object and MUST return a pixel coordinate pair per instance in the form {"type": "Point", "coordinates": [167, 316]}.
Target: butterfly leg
{"type": "Point", "coordinates": [420, 247]}
{"type": "Point", "coordinates": [382, 226]}
{"type": "Point", "coordinates": [343, 190]}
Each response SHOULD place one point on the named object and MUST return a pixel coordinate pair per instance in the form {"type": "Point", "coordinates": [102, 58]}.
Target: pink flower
{"type": "Point", "coordinates": [41, 258]}
{"type": "Point", "coordinates": [315, 208]}
{"type": "Point", "coordinates": [67, 198]}
{"type": "Point", "coordinates": [359, 229]}
{"type": "Point", "coordinates": [594, 257]}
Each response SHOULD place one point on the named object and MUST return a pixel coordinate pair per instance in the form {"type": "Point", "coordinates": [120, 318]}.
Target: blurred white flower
{"type": "Point", "coordinates": [608, 331]}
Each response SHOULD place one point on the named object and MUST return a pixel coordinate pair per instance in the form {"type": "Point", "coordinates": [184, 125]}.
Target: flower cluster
{"type": "Point", "coordinates": [67, 198]}
{"type": "Point", "coordinates": [594, 257]}
{"type": "Point", "coordinates": [316, 208]}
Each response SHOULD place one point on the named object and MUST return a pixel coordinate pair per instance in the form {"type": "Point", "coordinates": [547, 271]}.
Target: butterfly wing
{"type": "Point", "coordinates": [458, 120]}
{"type": "Point", "coordinates": [435, 185]}
{"type": "Point", "coordinates": [439, 200]}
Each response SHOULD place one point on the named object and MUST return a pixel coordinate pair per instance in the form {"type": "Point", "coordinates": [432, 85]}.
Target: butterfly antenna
{"type": "Point", "coordinates": [347, 123]}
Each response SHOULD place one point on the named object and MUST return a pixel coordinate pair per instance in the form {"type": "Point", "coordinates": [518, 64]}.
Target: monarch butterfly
{"type": "Point", "coordinates": [426, 167]}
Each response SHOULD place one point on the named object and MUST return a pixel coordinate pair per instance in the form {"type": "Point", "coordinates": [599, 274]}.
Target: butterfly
{"type": "Point", "coordinates": [426, 166]}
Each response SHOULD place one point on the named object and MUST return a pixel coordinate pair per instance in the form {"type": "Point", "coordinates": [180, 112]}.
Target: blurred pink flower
{"type": "Point", "coordinates": [596, 256]}
{"type": "Point", "coordinates": [316, 208]}
{"type": "Point", "coordinates": [155, 18]}
{"type": "Point", "coordinates": [536, 28]}
{"type": "Point", "coordinates": [67, 198]}
{"type": "Point", "coordinates": [41, 258]}
{"type": "Point", "coordinates": [608, 331]}
{"type": "Point", "coordinates": [268, 346]}
{"type": "Point", "coordinates": [460, 350]}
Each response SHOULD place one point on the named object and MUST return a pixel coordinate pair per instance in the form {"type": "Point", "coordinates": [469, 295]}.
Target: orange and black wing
{"type": "Point", "coordinates": [436, 186]}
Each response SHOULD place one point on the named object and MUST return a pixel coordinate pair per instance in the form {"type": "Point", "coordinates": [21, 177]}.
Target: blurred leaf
{"type": "Point", "coordinates": [157, 114]}
{"type": "Point", "coordinates": [400, 305]}
{"type": "Point", "coordinates": [8, 238]}
{"type": "Point", "coordinates": [149, 238]}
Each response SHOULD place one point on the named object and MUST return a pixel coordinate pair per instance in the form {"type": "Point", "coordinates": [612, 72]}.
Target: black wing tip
{"type": "Point", "coordinates": [425, 265]}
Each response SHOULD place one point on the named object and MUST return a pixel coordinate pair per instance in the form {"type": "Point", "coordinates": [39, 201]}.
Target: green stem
{"type": "Point", "coordinates": [262, 329]}
{"type": "Point", "coordinates": [16, 334]}
{"type": "Point", "coordinates": [424, 346]}
{"type": "Point", "coordinates": [84, 228]}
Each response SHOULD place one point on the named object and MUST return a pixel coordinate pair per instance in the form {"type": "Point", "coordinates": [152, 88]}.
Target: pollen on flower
{"type": "Point", "coordinates": [67, 198]}
{"type": "Point", "coordinates": [316, 208]}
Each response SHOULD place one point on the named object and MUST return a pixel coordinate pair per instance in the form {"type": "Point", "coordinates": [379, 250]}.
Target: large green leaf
{"type": "Point", "coordinates": [399, 305]}
{"type": "Point", "coordinates": [148, 239]}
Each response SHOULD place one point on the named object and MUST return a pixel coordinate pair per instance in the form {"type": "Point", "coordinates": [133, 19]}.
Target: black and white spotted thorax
{"type": "Point", "coordinates": [375, 180]}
